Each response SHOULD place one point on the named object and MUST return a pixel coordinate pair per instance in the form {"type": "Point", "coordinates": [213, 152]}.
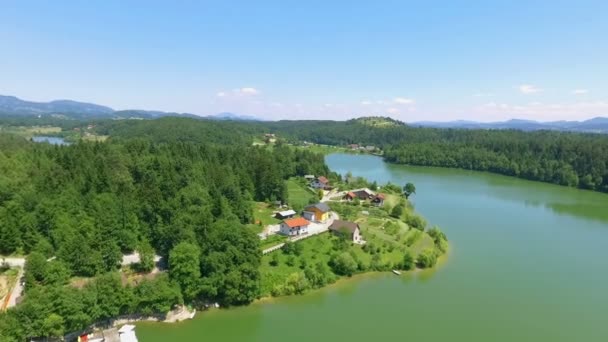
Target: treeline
{"type": "Point", "coordinates": [89, 203]}
{"type": "Point", "coordinates": [571, 159]}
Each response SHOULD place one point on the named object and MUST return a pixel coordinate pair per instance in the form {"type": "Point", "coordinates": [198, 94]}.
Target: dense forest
{"type": "Point", "coordinates": [571, 159]}
{"type": "Point", "coordinates": [89, 203]}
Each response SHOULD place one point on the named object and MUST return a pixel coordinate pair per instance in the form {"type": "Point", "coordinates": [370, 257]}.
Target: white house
{"type": "Point", "coordinates": [320, 183]}
{"type": "Point", "coordinates": [295, 226]}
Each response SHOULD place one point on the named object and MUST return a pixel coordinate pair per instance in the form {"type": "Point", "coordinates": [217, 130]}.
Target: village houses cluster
{"type": "Point", "coordinates": [319, 214]}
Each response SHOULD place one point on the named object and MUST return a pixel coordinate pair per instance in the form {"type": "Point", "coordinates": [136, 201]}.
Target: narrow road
{"type": "Point", "coordinates": [18, 287]}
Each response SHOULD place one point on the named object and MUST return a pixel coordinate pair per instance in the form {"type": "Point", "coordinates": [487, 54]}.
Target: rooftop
{"type": "Point", "coordinates": [340, 225]}
{"type": "Point", "coordinates": [287, 212]}
{"type": "Point", "coordinates": [320, 206]}
{"type": "Point", "coordinates": [323, 180]}
{"type": "Point", "coordinates": [297, 222]}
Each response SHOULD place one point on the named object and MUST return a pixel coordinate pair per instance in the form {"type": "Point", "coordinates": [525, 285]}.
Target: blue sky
{"type": "Point", "coordinates": [412, 60]}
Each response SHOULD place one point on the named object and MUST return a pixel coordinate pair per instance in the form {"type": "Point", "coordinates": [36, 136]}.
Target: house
{"type": "Point", "coordinates": [285, 214]}
{"type": "Point", "coordinates": [351, 229]}
{"type": "Point", "coordinates": [370, 148]}
{"type": "Point", "coordinates": [309, 178]}
{"type": "Point", "coordinates": [317, 212]}
{"type": "Point", "coordinates": [294, 226]}
{"type": "Point", "coordinates": [378, 200]}
{"type": "Point", "coordinates": [320, 183]}
{"type": "Point", "coordinates": [364, 194]}
{"type": "Point", "coordinates": [349, 196]}
{"type": "Point", "coordinates": [269, 138]}
{"type": "Point", "coordinates": [353, 146]}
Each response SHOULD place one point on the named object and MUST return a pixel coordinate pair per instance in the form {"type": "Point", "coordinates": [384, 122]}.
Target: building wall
{"type": "Point", "coordinates": [285, 230]}
{"type": "Point", "coordinates": [309, 215]}
{"type": "Point", "coordinates": [356, 236]}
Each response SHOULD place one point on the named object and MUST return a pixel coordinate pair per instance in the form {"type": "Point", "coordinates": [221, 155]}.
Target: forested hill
{"type": "Point", "coordinates": [89, 203]}
{"type": "Point", "coordinates": [572, 159]}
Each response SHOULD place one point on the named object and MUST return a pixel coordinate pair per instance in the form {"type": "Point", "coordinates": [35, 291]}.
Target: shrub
{"type": "Point", "coordinates": [344, 264]}
{"type": "Point", "coordinates": [274, 261]}
{"type": "Point", "coordinates": [427, 259]}
{"type": "Point", "coordinates": [408, 261]}
{"type": "Point", "coordinates": [397, 211]}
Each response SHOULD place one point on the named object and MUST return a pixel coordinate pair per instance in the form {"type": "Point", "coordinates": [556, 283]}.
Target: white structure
{"type": "Point", "coordinates": [294, 227]}
{"type": "Point", "coordinates": [320, 183]}
{"type": "Point", "coordinates": [127, 333]}
{"type": "Point", "coordinates": [286, 214]}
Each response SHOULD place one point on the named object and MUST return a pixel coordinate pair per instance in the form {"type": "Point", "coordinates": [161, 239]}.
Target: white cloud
{"type": "Point", "coordinates": [403, 101]}
{"type": "Point", "coordinates": [239, 92]}
{"type": "Point", "coordinates": [392, 111]}
{"type": "Point", "coordinates": [366, 102]}
{"type": "Point", "coordinates": [248, 91]}
{"type": "Point", "coordinates": [580, 91]}
{"type": "Point", "coordinates": [545, 111]}
{"type": "Point", "coordinates": [529, 89]}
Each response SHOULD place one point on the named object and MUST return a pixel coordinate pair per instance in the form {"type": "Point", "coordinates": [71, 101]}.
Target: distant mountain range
{"type": "Point", "coordinates": [68, 109]}
{"type": "Point", "coordinates": [11, 105]}
{"type": "Point", "coordinates": [595, 125]}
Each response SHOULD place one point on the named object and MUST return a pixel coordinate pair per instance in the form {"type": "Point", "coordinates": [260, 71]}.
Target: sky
{"type": "Point", "coordinates": [411, 60]}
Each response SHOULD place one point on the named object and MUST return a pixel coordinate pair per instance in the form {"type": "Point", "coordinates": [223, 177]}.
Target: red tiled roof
{"type": "Point", "coordinates": [351, 194]}
{"type": "Point", "coordinates": [297, 222]}
{"type": "Point", "coordinates": [380, 196]}
{"type": "Point", "coordinates": [323, 180]}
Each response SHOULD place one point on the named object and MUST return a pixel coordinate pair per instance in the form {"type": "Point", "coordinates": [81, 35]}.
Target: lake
{"type": "Point", "coordinates": [50, 140]}
{"type": "Point", "coordinates": [528, 262]}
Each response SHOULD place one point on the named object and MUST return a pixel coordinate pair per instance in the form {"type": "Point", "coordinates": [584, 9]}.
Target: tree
{"type": "Point", "coordinates": [397, 211]}
{"type": "Point", "coordinates": [146, 256]}
{"type": "Point", "coordinates": [57, 273]}
{"type": "Point", "coordinates": [409, 189]}
{"type": "Point", "coordinates": [374, 186]}
{"type": "Point", "coordinates": [344, 264]}
{"type": "Point", "coordinates": [274, 261]}
{"type": "Point", "coordinates": [35, 269]}
{"type": "Point", "coordinates": [184, 268]}
{"type": "Point", "coordinates": [408, 261]}
{"type": "Point", "coordinates": [427, 258]}
{"type": "Point", "coordinates": [53, 326]}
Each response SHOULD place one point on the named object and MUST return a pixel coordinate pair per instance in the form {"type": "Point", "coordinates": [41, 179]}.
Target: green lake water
{"type": "Point", "coordinates": [528, 262]}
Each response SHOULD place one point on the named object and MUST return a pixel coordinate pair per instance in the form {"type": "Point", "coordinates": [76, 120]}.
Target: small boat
{"type": "Point", "coordinates": [396, 272]}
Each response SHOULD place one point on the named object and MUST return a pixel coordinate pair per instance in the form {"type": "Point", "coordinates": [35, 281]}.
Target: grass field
{"type": "Point", "coordinates": [29, 132]}
{"type": "Point", "coordinates": [299, 196]}
{"type": "Point", "coordinates": [262, 212]}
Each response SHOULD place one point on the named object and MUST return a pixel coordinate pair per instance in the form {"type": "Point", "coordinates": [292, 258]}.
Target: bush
{"type": "Point", "coordinates": [274, 261]}
{"type": "Point", "coordinates": [344, 264]}
{"type": "Point", "coordinates": [415, 221]}
{"type": "Point", "coordinates": [439, 238]}
{"type": "Point", "coordinates": [427, 259]}
{"type": "Point", "coordinates": [397, 211]}
{"type": "Point", "coordinates": [408, 261]}
{"type": "Point", "coordinates": [291, 261]}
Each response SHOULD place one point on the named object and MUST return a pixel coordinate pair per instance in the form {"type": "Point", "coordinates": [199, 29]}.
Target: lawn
{"type": "Point", "coordinates": [299, 195]}
{"type": "Point", "coordinates": [263, 213]}
{"type": "Point", "coordinates": [29, 132]}
{"type": "Point", "coordinates": [272, 240]}
{"type": "Point", "coordinates": [314, 249]}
